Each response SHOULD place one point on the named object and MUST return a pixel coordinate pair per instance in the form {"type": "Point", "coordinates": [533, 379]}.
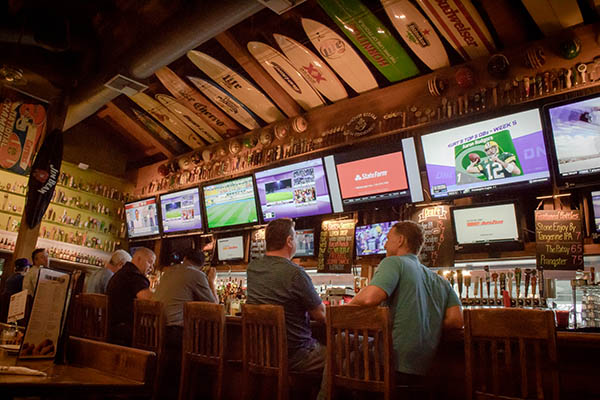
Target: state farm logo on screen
{"type": "Point", "coordinates": [375, 175]}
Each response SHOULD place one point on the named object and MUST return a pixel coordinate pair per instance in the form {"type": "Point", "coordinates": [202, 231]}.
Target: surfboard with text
{"type": "Point", "coordinates": [227, 103]}
{"type": "Point", "coordinates": [237, 85]}
{"type": "Point", "coordinates": [186, 115]}
{"type": "Point", "coordinates": [160, 133]}
{"type": "Point", "coordinates": [461, 25]}
{"type": "Point", "coordinates": [340, 56]}
{"type": "Point", "coordinates": [312, 68]}
{"type": "Point", "coordinates": [371, 37]}
{"type": "Point", "coordinates": [417, 32]}
{"type": "Point", "coordinates": [284, 73]}
{"type": "Point", "coordinates": [200, 105]}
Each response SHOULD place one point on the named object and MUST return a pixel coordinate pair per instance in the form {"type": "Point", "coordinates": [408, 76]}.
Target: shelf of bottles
{"type": "Point", "coordinates": [84, 222]}
{"type": "Point", "coordinates": [232, 294]}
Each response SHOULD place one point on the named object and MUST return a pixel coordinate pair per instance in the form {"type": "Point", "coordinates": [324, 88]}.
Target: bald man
{"type": "Point", "coordinates": [126, 285]}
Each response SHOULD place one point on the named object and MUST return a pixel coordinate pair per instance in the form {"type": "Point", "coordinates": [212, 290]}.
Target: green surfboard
{"type": "Point", "coordinates": [371, 37]}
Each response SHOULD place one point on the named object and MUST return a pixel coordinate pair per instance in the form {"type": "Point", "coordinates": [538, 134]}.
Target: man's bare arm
{"type": "Point", "coordinates": [369, 296]}
{"type": "Point", "coordinates": [453, 319]}
{"type": "Point", "coordinates": [318, 313]}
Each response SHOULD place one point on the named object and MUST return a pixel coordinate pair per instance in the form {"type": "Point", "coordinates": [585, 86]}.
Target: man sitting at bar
{"type": "Point", "coordinates": [179, 284]}
{"type": "Point", "coordinates": [98, 281]}
{"type": "Point", "coordinates": [275, 279]}
{"type": "Point", "coordinates": [13, 285]}
{"type": "Point", "coordinates": [40, 259]}
{"type": "Point", "coordinates": [126, 285]}
{"type": "Point", "coordinates": [421, 302]}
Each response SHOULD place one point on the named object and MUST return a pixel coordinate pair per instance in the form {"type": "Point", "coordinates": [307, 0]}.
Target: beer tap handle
{"type": "Point", "coordinates": [510, 283]}
{"type": "Point", "coordinates": [518, 281]}
{"type": "Point", "coordinates": [468, 284]}
{"type": "Point", "coordinates": [459, 282]}
{"type": "Point", "coordinates": [495, 279]}
{"type": "Point", "coordinates": [527, 280]}
{"type": "Point", "coordinates": [481, 287]}
{"type": "Point", "coordinates": [541, 281]}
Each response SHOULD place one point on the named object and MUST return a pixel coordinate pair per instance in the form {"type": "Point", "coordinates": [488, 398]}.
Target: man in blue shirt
{"type": "Point", "coordinates": [421, 302]}
{"type": "Point", "coordinates": [98, 281]}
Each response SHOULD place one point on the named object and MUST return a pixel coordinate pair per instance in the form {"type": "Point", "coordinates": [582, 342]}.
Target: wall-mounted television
{"type": "Point", "coordinates": [230, 248]}
{"type": "Point", "coordinates": [305, 243]}
{"type": "Point", "coordinates": [142, 218]}
{"type": "Point", "coordinates": [371, 239]}
{"type": "Point", "coordinates": [292, 191]}
{"type": "Point", "coordinates": [492, 227]}
{"type": "Point", "coordinates": [574, 127]}
{"type": "Point", "coordinates": [595, 196]}
{"type": "Point", "coordinates": [180, 211]}
{"type": "Point", "coordinates": [230, 203]}
{"type": "Point", "coordinates": [374, 176]}
{"type": "Point", "coordinates": [486, 155]}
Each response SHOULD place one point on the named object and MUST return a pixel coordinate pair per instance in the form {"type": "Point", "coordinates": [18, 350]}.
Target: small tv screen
{"type": "Point", "coordinates": [305, 243]}
{"type": "Point", "coordinates": [486, 224]}
{"type": "Point", "coordinates": [371, 239]}
{"type": "Point", "coordinates": [230, 203]}
{"type": "Point", "coordinates": [575, 134]}
{"type": "Point", "coordinates": [142, 218]}
{"type": "Point", "coordinates": [374, 175]}
{"type": "Point", "coordinates": [292, 191]}
{"type": "Point", "coordinates": [180, 211]}
{"type": "Point", "coordinates": [231, 248]}
{"type": "Point", "coordinates": [486, 155]}
{"type": "Point", "coordinates": [596, 208]}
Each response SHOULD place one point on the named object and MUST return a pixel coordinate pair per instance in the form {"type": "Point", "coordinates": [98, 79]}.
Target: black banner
{"type": "Point", "coordinates": [558, 239]}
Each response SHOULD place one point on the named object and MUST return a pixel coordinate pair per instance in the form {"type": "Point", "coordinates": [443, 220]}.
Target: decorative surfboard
{"type": "Point", "coordinates": [417, 32]}
{"type": "Point", "coordinates": [340, 56]}
{"type": "Point", "coordinates": [166, 118]}
{"type": "Point", "coordinates": [237, 85]}
{"type": "Point", "coordinates": [199, 104]}
{"type": "Point", "coordinates": [160, 133]}
{"type": "Point", "coordinates": [226, 102]}
{"type": "Point", "coordinates": [461, 25]}
{"type": "Point", "coordinates": [552, 16]}
{"type": "Point", "coordinates": [371, 37]}
{"type": "Point", "coordinates": [312, 68]}
{"type": "Point", "coordinates": [284, 73]}
{"type": "Point", "coordinates": [186, 115]}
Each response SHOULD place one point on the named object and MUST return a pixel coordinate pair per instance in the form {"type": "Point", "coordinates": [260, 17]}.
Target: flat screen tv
{"type": "Point", "coordinates": [180, 211]}
{"type": "Point", "coordinates": [305, 243]}
{"type": "Point", "coordinates": [493, 227]}
{"type": "Point", "coordinates": [486, 155]}
{"type": "Point", "coordinates": [596, 210]}
{"type": "Point", "coordinates": [374, 176]}
{"type": "Point", "coordinates": [292, 191]}
{"type": "Point", "coordinates": [230, 203]}
{"type": "Point", "coordinates": [574, 127]}
{"type": "Point", "coordinates": [142, 218]}
{"type": "Point", "coordinates": [230, 248]}
{"type": "Point", "coordinates": [370, 239]}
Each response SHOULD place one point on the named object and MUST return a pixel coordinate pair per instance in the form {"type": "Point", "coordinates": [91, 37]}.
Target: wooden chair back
{"type": "Point", "coordinates": [203, 343]}
{"type": "Point", "coordinates": [90, 316]}
{"type": "Point", "coordinates": [264, 346]}
{"type": "Point", "coordinates": [510, 354]}
{"type": "Point", "coordinates": [359, 349]}
{"type": "Point", "coordinates": [148, 325]}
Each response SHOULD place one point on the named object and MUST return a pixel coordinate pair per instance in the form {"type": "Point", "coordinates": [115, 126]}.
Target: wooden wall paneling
{"type": "Point", "coordinates": [260, 76]}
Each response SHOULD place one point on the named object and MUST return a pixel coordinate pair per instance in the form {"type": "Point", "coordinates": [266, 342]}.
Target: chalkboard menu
{"type": "Point", "coordinates": [336, 246]}
{"type": "Point", "coordinates": [438, 249]}
{"type": "Point", "coordinates": [258, 245]}
{"type": "Point", "coordinates": [559, 239]}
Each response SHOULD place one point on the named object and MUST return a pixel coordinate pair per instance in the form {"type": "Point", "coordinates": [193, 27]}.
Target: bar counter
{"type": "Point", "coordinates": [578, 362]}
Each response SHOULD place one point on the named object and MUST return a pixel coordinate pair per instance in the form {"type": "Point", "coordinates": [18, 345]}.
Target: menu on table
{"type": "Point", "coordinates": [336, 246]}
{"type": "Point", "coordinates": [438, 248]}
{"type": "Point", "coordinates": [558, 239]}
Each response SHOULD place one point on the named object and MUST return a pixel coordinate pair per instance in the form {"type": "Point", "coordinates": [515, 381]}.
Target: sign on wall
{"type": "Point", "coordinates": [336, 246]}
{"type": "Point", "coordinates": [558, 239]}
{"type": "Point", "coordinates": [438, 249]}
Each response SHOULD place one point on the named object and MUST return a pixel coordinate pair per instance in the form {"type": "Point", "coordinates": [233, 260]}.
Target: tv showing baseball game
{"type": "Point", "coordinates": [230, 248]}
{"type": "Point", "coordinates": [142, 218]}
{"type": "Point", "coordinates": [374, 175]}
{"type": "Point", "coordinates": [596, 210]}
{"type": "Point", "coordinates": [230, 203]}
{"type": "Point", "coordinates": [371, 239]}
{"type": "Point", "coordinates": [180, 211]}
{"type": "Point", "coordinates": [575, 139]}
{"type": "Point", "coordinates": [305, 242]}
{"type": "Point", "coordinates": [486, 155]}
{"type": "Point", "coordinates": [486, 224]}
{"type": "Point", "coordinates": [292, 191]}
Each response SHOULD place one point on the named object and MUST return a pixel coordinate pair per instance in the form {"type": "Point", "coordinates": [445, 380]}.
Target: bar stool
{"type": "Point", "coordinates": [90, 320]}
{"type": "Point", "coordinates": [148, 331]}
{"type": "Point", "coordinates": [510, 353]}
{"type": "Point", "coordinates": [203, 344]}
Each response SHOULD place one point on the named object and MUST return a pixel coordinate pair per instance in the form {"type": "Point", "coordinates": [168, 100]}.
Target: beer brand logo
{"type": "Point", "coordinates": [414, 34]}
{"type": "Point", "coordinates": [368, 46]}
{"type": "Point", "coordinates": [453, 15]}
{"type": "Point", "coordinates": [433, 212]}
{"type": "Point", "coordinates": [284, 75]}
{"type": "Point", "coordinates": [332, 48]}
{"type": "Point", "coordinates": [313, 73]}
{"type": "Point", "coordinates": [40, 175]}
{"type": "Point", "coordinates": [231, 82]}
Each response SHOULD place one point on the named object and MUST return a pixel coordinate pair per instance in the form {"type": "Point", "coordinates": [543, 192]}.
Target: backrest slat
{"type": "Point", "coordinates": [523, 361]}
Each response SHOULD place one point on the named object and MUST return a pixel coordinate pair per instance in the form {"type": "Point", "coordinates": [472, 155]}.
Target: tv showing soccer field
{"type": "Point", "coordinates": [374, 175]}
{"type": "Point", "coordinates": [292, 191]}
{"type": "Point", "coordinates": [231, 248]}
{"type": "Point", "coordinates": [142, 218]}
{"type": "Point", "coordinates": [371, 239]}
{"type": "Point", "coordinates": [180, 211]}
{"type": "Point", "coordinates": [575, 135]}
{"type": "Point", "coordinates": [230, 203]}
{"type": "Point", "coordinates": [486, 155]}
{"type": "Point", "coordinates": [305, 242]}
{"type": "Point", "coordinates": [486, 224]}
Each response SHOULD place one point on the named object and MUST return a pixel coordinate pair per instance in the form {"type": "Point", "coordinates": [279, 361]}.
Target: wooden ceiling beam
{"type": "Point", "coordinates": [123, 120]}
{"type": "Point", "coordinates": [283, 100]}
